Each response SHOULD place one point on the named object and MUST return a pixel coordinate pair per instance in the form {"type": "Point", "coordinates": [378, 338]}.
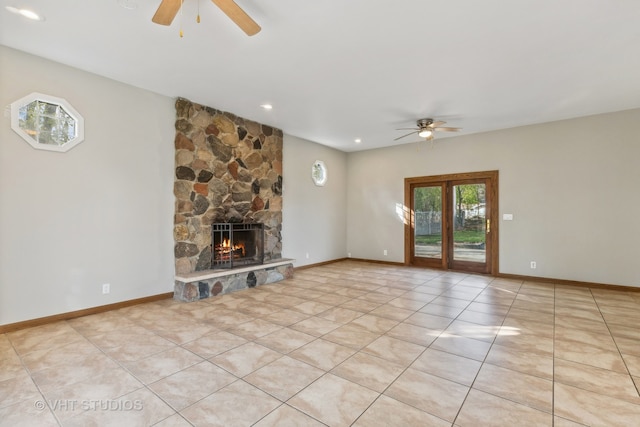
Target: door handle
{"type": "Point", "coordinates": [488, 226]}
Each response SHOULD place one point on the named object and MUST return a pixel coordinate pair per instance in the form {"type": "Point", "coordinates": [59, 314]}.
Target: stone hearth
{"type": "Point", "coordinates": [210, 283]}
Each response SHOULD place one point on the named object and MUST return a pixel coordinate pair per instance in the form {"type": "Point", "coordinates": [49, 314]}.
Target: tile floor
{"type": "Point", "coordinates": [349, 343]}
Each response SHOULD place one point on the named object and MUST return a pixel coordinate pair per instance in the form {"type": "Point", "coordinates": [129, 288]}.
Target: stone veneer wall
{"type": "Point", "coordinates": [228, 169]}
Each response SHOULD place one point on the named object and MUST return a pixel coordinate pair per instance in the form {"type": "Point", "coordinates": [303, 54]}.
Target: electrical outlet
{"type": "Point", "coordinates": [533, 264]}
{"type": "Point", "coordinates": [106, 288]}
{"type": "Point", "coordinates": [385, 252]}
{"type": "Point", "coordinates": [349, 255]}
{"type": "Point", "coordinates": [307, 255]}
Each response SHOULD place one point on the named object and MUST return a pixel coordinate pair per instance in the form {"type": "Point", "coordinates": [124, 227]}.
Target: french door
{"type": "Point", "coordinates": [452, 222]}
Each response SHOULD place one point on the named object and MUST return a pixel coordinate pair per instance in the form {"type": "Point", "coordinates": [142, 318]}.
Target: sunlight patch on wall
{"type": "Point", "coordinates": [403, 213]}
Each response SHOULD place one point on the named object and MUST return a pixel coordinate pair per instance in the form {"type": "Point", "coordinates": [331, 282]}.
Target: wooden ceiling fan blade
{"type": "Point", "coordinates": [436, 124]}
{"type": "Point", "coordinates": [447, 129]}
{"type": "Point", "coordinates": [411, 133]}
{"type": "Point", "coordinates": [167, 10]}
{"type": "Point", "coordinates": [239, 16]}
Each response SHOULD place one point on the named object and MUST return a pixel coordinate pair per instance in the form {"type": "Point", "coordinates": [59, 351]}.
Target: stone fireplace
{"type": "Point", "coordinates": [227, 170]}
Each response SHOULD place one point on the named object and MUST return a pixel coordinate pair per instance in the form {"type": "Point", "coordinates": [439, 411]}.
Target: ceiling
{"type": "Point", "coordinates": [337, 70]}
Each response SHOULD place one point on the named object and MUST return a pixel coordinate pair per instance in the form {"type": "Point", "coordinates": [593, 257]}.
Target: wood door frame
{"type": "Point", "coordinates": [492, 215]}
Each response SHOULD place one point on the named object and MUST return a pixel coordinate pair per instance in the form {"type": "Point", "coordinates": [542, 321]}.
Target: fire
{"type": "Point", "coordinates": [224, 250]}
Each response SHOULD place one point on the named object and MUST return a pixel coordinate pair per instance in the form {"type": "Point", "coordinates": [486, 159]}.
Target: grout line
{"type": "Point", "coordinates": [391, 276]}
{"type": "Point", "coordinates": [553, 362]}
{"type": "Point", "coordinates": [486, 355]}
{"type": "Point", "coordinates": [604, 319]}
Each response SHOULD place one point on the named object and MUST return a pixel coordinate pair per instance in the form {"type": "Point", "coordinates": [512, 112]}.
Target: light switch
{"type": "Point", "coordinates": [507, 217]}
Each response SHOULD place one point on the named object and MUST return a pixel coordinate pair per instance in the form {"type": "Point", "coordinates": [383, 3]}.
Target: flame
{"type": "Point", "coordinates": [224, 249]}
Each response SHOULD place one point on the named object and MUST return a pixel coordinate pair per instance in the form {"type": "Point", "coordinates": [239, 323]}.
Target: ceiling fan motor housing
{"type": "Point", "coordinates": [423, 123]}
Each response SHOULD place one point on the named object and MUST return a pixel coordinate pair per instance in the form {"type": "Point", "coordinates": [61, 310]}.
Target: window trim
{"type": "Point", "coordinates": [35, 96]}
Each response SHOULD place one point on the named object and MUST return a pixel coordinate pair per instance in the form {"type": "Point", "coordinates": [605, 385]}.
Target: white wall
{"type": "Point", "coordinates": [100, 213]}
{"type": "Point", "coordinates": [571, 185]}
{"type": "Point", "coordinates": [314, 218]}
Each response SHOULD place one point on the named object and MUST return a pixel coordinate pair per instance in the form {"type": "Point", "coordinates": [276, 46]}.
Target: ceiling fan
{"type": "Point", "coordinates": [168, 10]}
{"type": "Point", "coordinates": [427, 128]}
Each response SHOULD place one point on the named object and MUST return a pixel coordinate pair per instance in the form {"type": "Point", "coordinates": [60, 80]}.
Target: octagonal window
{"type": "Point", "coordinates": [47, 122]}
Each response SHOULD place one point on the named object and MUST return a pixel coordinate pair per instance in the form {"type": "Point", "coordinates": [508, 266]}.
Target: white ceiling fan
{"type": "Point", "coordinates": [168, 10]}
{"type": "Point", "coordinates": [426, 128]}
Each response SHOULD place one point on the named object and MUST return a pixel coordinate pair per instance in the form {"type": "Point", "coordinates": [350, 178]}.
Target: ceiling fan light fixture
{"type": "Point", "coordinates": [425, 133]}
{"type": "Point", "coordinates": [426, 129]}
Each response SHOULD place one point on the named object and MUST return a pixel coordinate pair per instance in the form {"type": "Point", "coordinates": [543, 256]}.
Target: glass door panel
{"type": "Point", "coordinates": [427, 208]}
{"type": "Point", "coordinates": [451, 221]}
{"type": "Point", "coordinates": [469, 222]}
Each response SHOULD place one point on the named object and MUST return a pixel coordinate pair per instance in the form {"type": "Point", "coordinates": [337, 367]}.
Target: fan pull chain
{"type": "Point", "coordinates": [181, 4]}
{"type": "Point", "coordinates": [198, 17]}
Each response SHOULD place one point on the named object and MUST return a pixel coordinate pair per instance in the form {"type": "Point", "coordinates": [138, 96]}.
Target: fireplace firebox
{"type": "Point", "coordinates": [236, 244]}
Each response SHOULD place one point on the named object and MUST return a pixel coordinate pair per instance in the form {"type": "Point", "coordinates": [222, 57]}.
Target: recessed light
{"type": "Point", "coordinates": [267, 106]}
{"type": "Point", "coordinates": [29, 14]}
{"type": "Point", "coordinates": [358, 140]}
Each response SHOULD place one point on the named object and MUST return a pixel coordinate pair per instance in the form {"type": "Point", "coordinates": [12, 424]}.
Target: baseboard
{"type": "Point", "coordinates": [370, 261]}
{"type": "Point", "coordinates": [318, 264]}
{"type": "Point", "coordinates": [79, 313]}
{"type": "Point", "coordinates": [376, 261]}
{"type": "Point", "coordinates": [115, 306]}
{"type": "Point", "coordinates": [576, 283]}
{"type": "Point", "coordinates": [536, 279]}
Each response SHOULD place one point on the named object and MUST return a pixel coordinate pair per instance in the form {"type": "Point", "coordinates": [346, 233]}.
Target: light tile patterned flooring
{"type": "Point", "coordinates": [348, 343]}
